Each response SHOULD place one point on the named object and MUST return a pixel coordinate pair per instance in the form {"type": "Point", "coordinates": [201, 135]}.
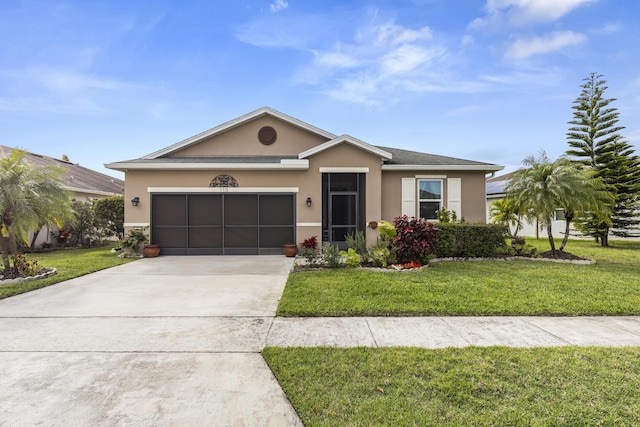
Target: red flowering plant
{"type": "Point", "coordinates": [415, 239]}
{"type": "Point", "coordinates": [310, 251]}
{"type": "Point", "coordinates": [25, 267]}
{"type": "Point", "coordinates": [405, 266]}
{"type": "Point", "coordinates": [310, 243]}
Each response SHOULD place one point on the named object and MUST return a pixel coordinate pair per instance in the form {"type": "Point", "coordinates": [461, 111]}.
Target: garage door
{"type": "Point", "coordinates": [222, 224]}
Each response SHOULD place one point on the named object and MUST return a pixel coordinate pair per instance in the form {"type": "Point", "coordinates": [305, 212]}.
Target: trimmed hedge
{"type": "Point", "coordinates": [470, 240]}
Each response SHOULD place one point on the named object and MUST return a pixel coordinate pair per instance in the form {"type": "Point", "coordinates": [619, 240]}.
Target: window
{"type": "Point", "coordinates": [429, 198]}
{"type": "Point", "coordinates": [559, 215]}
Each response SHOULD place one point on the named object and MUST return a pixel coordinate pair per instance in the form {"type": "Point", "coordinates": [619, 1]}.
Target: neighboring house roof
{"type": "Point", "coordinates": [497, 184]}
{"type": "Point", "coordinates": [393, 158]}
{"type": "Point", "coordinates": [78, 178]}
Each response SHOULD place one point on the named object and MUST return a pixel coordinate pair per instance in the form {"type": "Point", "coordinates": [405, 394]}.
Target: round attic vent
{"type": "Point", "coordinates": [267, 135]}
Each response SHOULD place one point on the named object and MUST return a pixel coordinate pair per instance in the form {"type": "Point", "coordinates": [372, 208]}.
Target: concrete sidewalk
{"type": "Point", "coordinates": [440, 332]}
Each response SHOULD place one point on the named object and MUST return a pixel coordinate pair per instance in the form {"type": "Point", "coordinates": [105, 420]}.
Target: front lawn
{"type": "Point", "coordinates": [610, 287]}
{"type": "Point", "coordinates": [490, 386]}
{"type": "Point", "coordinates": [69, 263]}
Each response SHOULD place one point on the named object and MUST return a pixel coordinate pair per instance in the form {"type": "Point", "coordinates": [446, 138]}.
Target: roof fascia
{"type": "Point", "coordinates": [350, 140]}
{"type": "Point", "coordinates": [89, 191]}
{"type": "Point", "coordinates": [284, 164]}
{"type": "Point", "coordinates": [494, 168]}
{"type": "Point", "coordinates": [264, 111]}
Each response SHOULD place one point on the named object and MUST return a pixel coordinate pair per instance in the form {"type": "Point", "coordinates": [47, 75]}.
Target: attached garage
{"type": "Point", "coordinates": [222, 223]}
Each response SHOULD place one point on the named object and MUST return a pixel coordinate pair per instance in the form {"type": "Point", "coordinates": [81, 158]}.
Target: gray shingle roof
{"type": "Point", "coordinates": [76, 176]}
{"type": "Point", "coordinates": [406, 157]}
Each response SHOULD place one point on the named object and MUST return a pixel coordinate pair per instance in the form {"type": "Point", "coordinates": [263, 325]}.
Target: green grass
{"type": "Point", "coordinates": [610, 287]}
{"type": "Point", "coordinates": [69, 263]}
{"type": "Point", "coordinates": [490, 386]}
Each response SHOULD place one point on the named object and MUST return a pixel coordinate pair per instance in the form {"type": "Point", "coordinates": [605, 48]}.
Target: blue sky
{"type": "Point", "coordinates": [486, 80]}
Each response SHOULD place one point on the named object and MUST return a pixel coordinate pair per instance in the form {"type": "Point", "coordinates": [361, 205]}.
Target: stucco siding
{"type": "Point", "coordinates": [472, 185]}
{"type": "Point", "coordinates": [243, 141]}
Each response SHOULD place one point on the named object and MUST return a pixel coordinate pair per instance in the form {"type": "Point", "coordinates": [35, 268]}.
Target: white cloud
{"type": "Point", "coordinates": [70, 81]}
{"type": "Point", "coordinates": [524, 48]}
{"type": "Point", "coordinates": [390, 34]}
{"type": "Point", "coordinates": [380, 60]}
{"type": "Point", "coordinates": [523, 12]}
{"type": "Point", "coordinates": [610, 28]}
{"type": "Point", "coordinates": [407, 58]}
{"type": "Point", "coordinates": [466, 40]}
{"type": "Point", "coordinates": [278, 5]}
{"type": "Point", "coordinates": [335, 60]}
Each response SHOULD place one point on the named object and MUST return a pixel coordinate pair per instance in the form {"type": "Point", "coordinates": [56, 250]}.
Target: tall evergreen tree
{"type": "Point", "coordinates": [595, 142]}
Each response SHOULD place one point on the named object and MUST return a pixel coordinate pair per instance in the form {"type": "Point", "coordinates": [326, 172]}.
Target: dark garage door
{"type": "Point", "coordinates": [222, 224]}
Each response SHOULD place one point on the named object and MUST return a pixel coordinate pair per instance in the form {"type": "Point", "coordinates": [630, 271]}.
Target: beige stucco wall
{"type": "Point", "coordinates": [309, 183]}
{"type": "Point", "coordinates": [383, 188]}
{"type": "Point", "coordinates": [473, 192]}
{"type": "Point", "coordinates": [347, 156]}
{"type": "Point", "coordinates": [243, 141]}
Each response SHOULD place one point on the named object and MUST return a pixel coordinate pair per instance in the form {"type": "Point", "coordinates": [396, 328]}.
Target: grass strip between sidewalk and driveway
{"type": "Point", "coordinates": [69, 263]}
{"type": "Point", "coordinates": [477, 288]}
{"type": "Point", "coordinates": [489, 386]}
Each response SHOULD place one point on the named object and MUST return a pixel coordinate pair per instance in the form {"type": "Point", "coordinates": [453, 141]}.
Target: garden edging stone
{"type": "Point", "coordinates": [518, 258]}
{"type": "Point", "coordinates": [49, 272]}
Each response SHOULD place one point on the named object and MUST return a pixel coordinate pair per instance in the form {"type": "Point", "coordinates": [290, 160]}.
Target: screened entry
{"type": "Point", "coordinates": [343, 206]}
{"type": "Point", "coordinates": [222, 224]}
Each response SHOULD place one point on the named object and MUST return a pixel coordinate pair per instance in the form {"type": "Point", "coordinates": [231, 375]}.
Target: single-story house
{"type": "Point", "coordinates": [83, 184]}
{"type": "Point", "coordinates": [265, 179]}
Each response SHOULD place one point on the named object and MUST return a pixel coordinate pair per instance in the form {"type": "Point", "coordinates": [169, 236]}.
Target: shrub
{"type": "Point", "coordinates": [446, 215]}
{"type": "Point", "coordinates": [387, 230]}
{"type": "Point", "coordinates": [415, 239]}
{"type": "Point", "coordinates": [470, 240]}
{"type": "Point", "coordinates": [134, 239]}
{"type": "Point", "coordinates": [25, 267]}
{"type": "Point", "coordinates": [521, 248]}
{"type": "Point", "coordinates": [109, 216]}
{"type": "Point", "coordinates": [358, 242]}
{"type": "Point", "coordinates": [381, 255]}
{"type": "Point", "coordinates": [352, 259]}
{"type": "Point", "coordinates": [331, 256]}
{"type": "Point", "coordinates": [310, 243]}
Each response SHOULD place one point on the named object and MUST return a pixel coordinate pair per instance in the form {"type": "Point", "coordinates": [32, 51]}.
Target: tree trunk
{"type": "Point", "coordinates": [4, 249]}
{"type": "Point", "coordinates": [13, 245]}
{"type": "Point", "coordinates": [568, 217]}
{"type": "Point", "coordinates": [550, 233]}
{"type": "Point", "coordinates": [605, 238]}
{"type": "Point", "coordinates": [567, 224]}
{"type": "Point", "coordinates": [35, 237]}
{"type": "Point", "coordinates": [518, 226]}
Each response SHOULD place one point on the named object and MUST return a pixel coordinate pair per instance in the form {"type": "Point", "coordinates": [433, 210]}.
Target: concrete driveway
{"type": "Point", "coordinates": [160, 341]}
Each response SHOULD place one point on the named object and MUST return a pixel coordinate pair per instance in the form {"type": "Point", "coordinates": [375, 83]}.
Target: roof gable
{"type": "Point", "coordinates": [262, 112]}
{"type": "Point", "coordinates": [346, 139]}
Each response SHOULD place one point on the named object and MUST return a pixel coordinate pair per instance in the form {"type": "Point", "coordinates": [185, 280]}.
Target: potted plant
{"type": "Point", "coordinates": [134, 240]}
{"type": "Point", "coordinates": [290, 249]}
{"type": "Point", "coordinates": [151, 250]}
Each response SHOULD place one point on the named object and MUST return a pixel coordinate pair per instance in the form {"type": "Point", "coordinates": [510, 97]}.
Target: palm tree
{"type": "Point", "coordinates": [543, 186]}
{"type": "Point", "coordinates": [504, 212]}
{"type": "Point", "coordinates": [28, 196]}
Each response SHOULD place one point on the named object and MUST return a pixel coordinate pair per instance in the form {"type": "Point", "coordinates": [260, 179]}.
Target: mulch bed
{"type": "Point", "coordinates": [560, 255]}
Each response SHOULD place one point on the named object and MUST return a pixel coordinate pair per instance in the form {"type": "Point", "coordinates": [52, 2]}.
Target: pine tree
{"type": "Point", "coordinates": [596, 143]}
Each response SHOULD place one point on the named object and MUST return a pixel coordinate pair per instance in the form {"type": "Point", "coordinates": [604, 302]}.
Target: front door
{"type": "Point", "coordinates": [343, 206]}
